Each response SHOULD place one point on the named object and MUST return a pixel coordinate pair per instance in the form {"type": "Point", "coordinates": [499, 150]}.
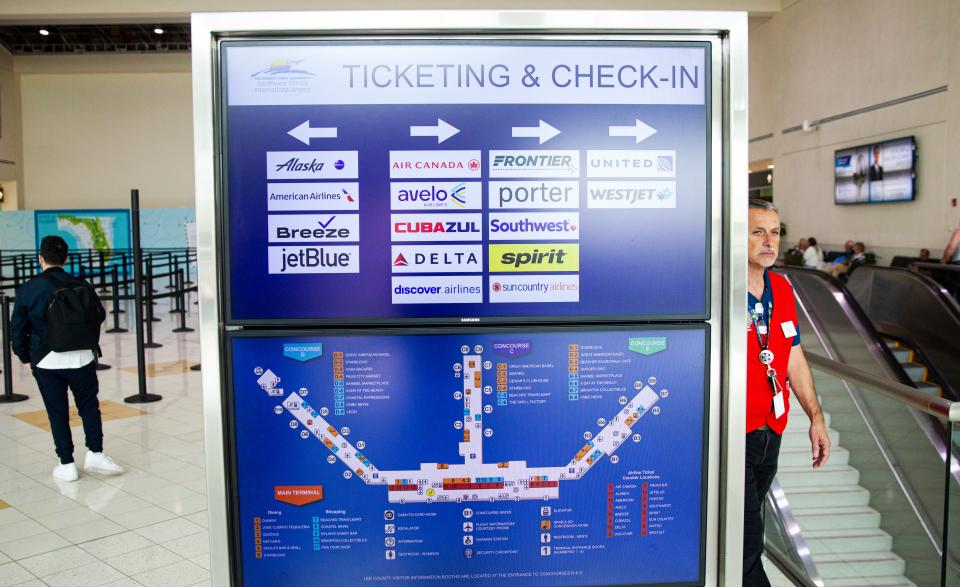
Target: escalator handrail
{"type": "Point", "coordinates": [938, 291]}
{"type": "Point", "coordinates": [863, 323]}
{"type": "Point", "coordinates": [938, 407]}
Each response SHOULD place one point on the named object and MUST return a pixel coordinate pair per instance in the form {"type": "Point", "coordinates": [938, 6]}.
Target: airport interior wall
{"type": "Point", "coordinates": [96, 125]}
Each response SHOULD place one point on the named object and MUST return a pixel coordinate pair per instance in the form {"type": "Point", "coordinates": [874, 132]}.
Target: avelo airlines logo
{"type": "Point", "coordinates": [436, 195]}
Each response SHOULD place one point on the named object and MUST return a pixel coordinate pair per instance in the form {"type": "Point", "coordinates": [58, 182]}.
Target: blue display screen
{"type": "Point", "coordinates": [500, 458]}
{"type": "Point", "coordinates": [545, 181]}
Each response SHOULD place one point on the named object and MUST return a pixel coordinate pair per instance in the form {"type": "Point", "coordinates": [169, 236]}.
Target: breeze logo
{"type": "Point", "coordinates": [534, 194]}
{"type": "Point", "coordinates": [451, 195]}
{"type": "Point", "coordinates": [541, 257]}
{"type": "Point", "coordinates": [631, 194]}
{"type": "Point", "coordinates": [450, 289]}
{"type": "Point", "coordinates": [631, 163]}
{"type": "Point", "coordinates": [435, 164]}
{"type": "Point", "coordinates": [508, 226]}
{"type": "Point", "coordinates": [297, 197]}
{"type": "Point", "coordinates": [506, 289]}
{"type": "Point", "coordinates": [313, 259]}
{"type": "Point", "coordinates": [311, 164]}
{"type": "Point", "coordinates": [436, 227]}
{"type": "Point", "coordinates": [531, 163]}
{"type": "Point", "coordinates": [437, 258]}
{"type": "Point", "coordinates": [313, 228]}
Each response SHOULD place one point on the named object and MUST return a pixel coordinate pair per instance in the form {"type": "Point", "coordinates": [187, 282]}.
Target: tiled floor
{"type": "Point", "coordinates": [146, 527]}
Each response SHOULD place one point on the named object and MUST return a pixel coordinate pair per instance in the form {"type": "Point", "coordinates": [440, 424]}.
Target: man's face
{"type": "Point", "coordinates": [764, 239]}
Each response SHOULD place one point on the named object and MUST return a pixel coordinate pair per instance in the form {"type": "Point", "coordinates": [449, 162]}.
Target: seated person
{"type": "Point", "coordinates": [859, 257]}
{"type": "Point", "coordinates": [813, 255]}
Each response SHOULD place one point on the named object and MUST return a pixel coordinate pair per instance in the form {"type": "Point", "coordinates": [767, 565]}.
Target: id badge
{"type": "Point", "coordinates": [779, 408]}
{"type": "Point", "coordinates": [789, 330]}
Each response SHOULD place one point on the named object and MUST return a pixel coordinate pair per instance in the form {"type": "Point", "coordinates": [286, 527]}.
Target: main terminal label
{"type": "Point", "coordinates": [507, 459]}
{"type": "Point", "coordinates": [494, 180]}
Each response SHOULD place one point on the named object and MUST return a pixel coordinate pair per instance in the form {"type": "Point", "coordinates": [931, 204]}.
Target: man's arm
{"type": "Point", "coordinates": [20, 330]}
{"type": "Point", "coordinates": [801, 381]}
{"type": "Point", "coordinates": [951, 246]}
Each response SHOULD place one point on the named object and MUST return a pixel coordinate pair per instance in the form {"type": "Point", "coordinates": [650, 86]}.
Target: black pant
{"type": "Point", "coordinates": [762, 451]}
{"type": "Point", "coordinates": [53, 385]}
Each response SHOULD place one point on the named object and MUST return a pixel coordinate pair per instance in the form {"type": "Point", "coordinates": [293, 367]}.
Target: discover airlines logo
{"type": "Point", "coordinates": [534, 288]}
{"type": "Point", "coordinates": [451, 289]}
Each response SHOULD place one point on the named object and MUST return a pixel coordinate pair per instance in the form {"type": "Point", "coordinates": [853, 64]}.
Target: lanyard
{"type": "Point", "coordinates": [761, 327]}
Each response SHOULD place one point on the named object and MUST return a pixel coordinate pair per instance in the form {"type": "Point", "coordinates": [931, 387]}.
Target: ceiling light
{"type": "Point", "coordinates": [44, 32]}
{"type": "Point", "coordinates": [158, 31]}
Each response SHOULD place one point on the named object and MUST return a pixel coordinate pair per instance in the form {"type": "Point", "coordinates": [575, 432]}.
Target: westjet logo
{"type": "Point", "coordinates": [632, 194]}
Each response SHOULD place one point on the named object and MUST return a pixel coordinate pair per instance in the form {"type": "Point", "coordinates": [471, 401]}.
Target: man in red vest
{"type": "Point", "coordinates": [775, 365]}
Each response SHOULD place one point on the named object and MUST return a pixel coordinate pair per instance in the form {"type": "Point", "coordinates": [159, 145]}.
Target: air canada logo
{"type": "Point", "coordinates": [400, 261]}
{"type": "Point", "coordinates": [283, 66]}
{"type": "Point", "coordinates": [474, 165]}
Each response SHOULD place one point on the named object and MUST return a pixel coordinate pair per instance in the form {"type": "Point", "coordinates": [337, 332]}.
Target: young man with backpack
{"type": "Point", "coordinates": [56, 328]}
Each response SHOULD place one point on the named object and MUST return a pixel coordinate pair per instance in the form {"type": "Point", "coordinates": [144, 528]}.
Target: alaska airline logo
{"type": "Point", "coordinates": [436, 195]}
{"type": "Point", "coordinates": [436, 227]}
{"type": "Point", "coordinates": [534, 163]}
{"type": "Point", "coordinates": [438, 164]}
{"type": "Point", "coordinates": [534, 225]}
{"type": "Point", "coordinates": [311, 164]}
{"type": "Point", "coordinates": [544, 257]}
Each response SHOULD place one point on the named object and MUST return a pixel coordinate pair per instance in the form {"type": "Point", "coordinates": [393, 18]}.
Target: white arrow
{"type": "Point", "coordinates": [543, 131]}
{"type": "Point", "coordinates": [640, 130]}
{"type": "Point", "coordinates": [304, 133]}
{"type": "Point", "coordinates": [441, 130]}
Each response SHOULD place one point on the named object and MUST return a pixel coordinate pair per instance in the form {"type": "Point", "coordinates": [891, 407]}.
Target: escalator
{"type": "Point", "coordinates": [873, 515]}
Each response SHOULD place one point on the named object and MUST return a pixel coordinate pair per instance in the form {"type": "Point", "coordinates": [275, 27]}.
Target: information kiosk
{"type": "Point", "coordinates": [465, 283]}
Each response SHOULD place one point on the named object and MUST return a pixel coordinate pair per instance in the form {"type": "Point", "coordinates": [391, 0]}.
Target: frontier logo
{"type": "Point", "coordinates": [435, 164]}
{"type": "Point", "coordinates": [534, 163]}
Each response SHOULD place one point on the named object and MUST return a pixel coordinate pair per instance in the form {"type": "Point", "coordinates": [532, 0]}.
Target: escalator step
{"type": "Point", "coordinates": [902, 355]}
{"type": "Point", "coordinates": [827, 496]}
{"type": "Point", "coordinates": [859, 565]}
{"type": "Point", "coordinates": [930, 388]}
{"type": "Point", "coordinates": [847, 541]}
{"type": "Point", "coordinates": [892, 581]}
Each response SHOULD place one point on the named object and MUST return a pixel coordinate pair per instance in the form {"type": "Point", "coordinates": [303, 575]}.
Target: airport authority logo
{"type": "Point", "coordinates": [283, 76]}
{"type": "Point", "coordinates": [283, 67]}
{"type": "Point", "coordinates": [540, 257]}
{"type": "Point", "coordinates": [451, 195]}
{"type": "Point", "coordinates": [534, 163]}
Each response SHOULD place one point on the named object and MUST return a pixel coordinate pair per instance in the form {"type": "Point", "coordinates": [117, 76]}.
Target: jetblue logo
{"type": "Point", "coordinates": [462, 195]}
{"type": "Point", "coordinates": [305, 228]}
{"type": "Point", "coordinates": [534, 226]}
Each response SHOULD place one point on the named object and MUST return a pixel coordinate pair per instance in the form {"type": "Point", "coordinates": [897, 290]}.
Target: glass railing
{"type": "Point", "coordinates": [884, 510]}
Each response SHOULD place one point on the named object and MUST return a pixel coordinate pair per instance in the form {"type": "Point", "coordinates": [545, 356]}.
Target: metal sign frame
{"type": "Point", "coordinates": [727, 33]}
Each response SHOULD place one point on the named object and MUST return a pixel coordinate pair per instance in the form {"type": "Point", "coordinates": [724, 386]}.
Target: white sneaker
{"type": "Point", "coordinates": [97, 462]}
{"type": "Point", "coordinates": [66, 472]}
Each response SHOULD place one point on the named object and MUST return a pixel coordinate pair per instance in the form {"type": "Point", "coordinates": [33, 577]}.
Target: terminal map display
{"type": "Point", "coordinates": [462, 181]}
{"type": "Point", "coordinates": [507, 458]}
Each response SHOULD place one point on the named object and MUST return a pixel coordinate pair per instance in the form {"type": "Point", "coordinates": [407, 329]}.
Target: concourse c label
{"type": "Point", "coordinates": [484, 182]}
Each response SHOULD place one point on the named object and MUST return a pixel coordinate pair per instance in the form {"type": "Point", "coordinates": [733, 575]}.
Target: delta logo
{"type": "Point", "coordinates": [437, 258]}
{"type": "Point", "coordinates": [400, 261]}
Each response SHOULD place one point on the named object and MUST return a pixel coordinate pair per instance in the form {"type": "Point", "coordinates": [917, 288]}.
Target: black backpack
{"type": "Point", "coordinates": [73, 316]}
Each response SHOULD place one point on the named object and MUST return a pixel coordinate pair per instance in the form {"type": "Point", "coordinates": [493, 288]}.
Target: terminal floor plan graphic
{"type": "Point", "coordinates": [515, 451]}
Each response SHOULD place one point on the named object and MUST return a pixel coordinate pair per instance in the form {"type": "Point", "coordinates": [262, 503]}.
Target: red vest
{"type": "Point", "coordinates": [759, 389]}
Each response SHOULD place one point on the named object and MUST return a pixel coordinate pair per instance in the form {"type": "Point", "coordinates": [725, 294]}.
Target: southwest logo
{"type": "Point", "coordinates": [534, 258]}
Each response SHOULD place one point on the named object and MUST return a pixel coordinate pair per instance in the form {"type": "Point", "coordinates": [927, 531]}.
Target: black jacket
{"type": "Point", "coordinates": [28, 324]}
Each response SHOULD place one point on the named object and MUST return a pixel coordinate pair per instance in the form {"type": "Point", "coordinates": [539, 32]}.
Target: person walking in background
{"type": "Point", "coordinates": [813, 255]}
{"type": "Point", "coordinates": [55, 327]}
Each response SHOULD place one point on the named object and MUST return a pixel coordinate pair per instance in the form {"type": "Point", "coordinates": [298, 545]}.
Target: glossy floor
{"type": "Point", "coordinates": [145, 527]}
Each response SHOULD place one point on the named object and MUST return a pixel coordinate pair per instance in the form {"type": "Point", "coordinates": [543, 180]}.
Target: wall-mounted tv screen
{"type": "Point", "coordinates": [875, 173]}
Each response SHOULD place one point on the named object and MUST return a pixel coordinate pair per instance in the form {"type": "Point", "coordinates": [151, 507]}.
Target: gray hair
{"type": "Point", "coordinates": [758, 204]}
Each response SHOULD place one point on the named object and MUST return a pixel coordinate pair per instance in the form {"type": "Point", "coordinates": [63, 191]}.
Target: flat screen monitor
{"type": "Point", "coordinates": [876, 173]}
{"type": "Point", "coordinates": [494, 457]}
{"type": "Point", "coordinates": [374, 181]}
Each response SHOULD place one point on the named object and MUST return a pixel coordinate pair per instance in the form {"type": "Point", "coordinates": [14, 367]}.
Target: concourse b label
{"type": "Point", "coordinates": [580, 169]}
{"type": "Point", "coordinates": [505, 459]}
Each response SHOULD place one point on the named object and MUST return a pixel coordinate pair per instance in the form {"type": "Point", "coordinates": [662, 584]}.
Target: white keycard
{"type": "Point", "coordinates": [778, 406]}
{"type": "Point", "coordinates": [789, 330]}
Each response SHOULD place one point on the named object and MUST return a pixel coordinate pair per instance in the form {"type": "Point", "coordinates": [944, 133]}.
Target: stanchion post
{"type": "Point", "coordinates": [115, 295]}
{"type": "Point", "coordinates": [8, 395]}
{"type": "Point", "coordinates": [142, 396]}
{"type": "Point", "coordinates": [150, 344]}
{"type": "Point", "coordinates": [180, 302]}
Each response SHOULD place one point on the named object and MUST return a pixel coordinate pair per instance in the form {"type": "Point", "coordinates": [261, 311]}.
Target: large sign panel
{"type": "Point", "coordinates": [506, 458]}
{"type": "Point", "coordinates": [466, 182]}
